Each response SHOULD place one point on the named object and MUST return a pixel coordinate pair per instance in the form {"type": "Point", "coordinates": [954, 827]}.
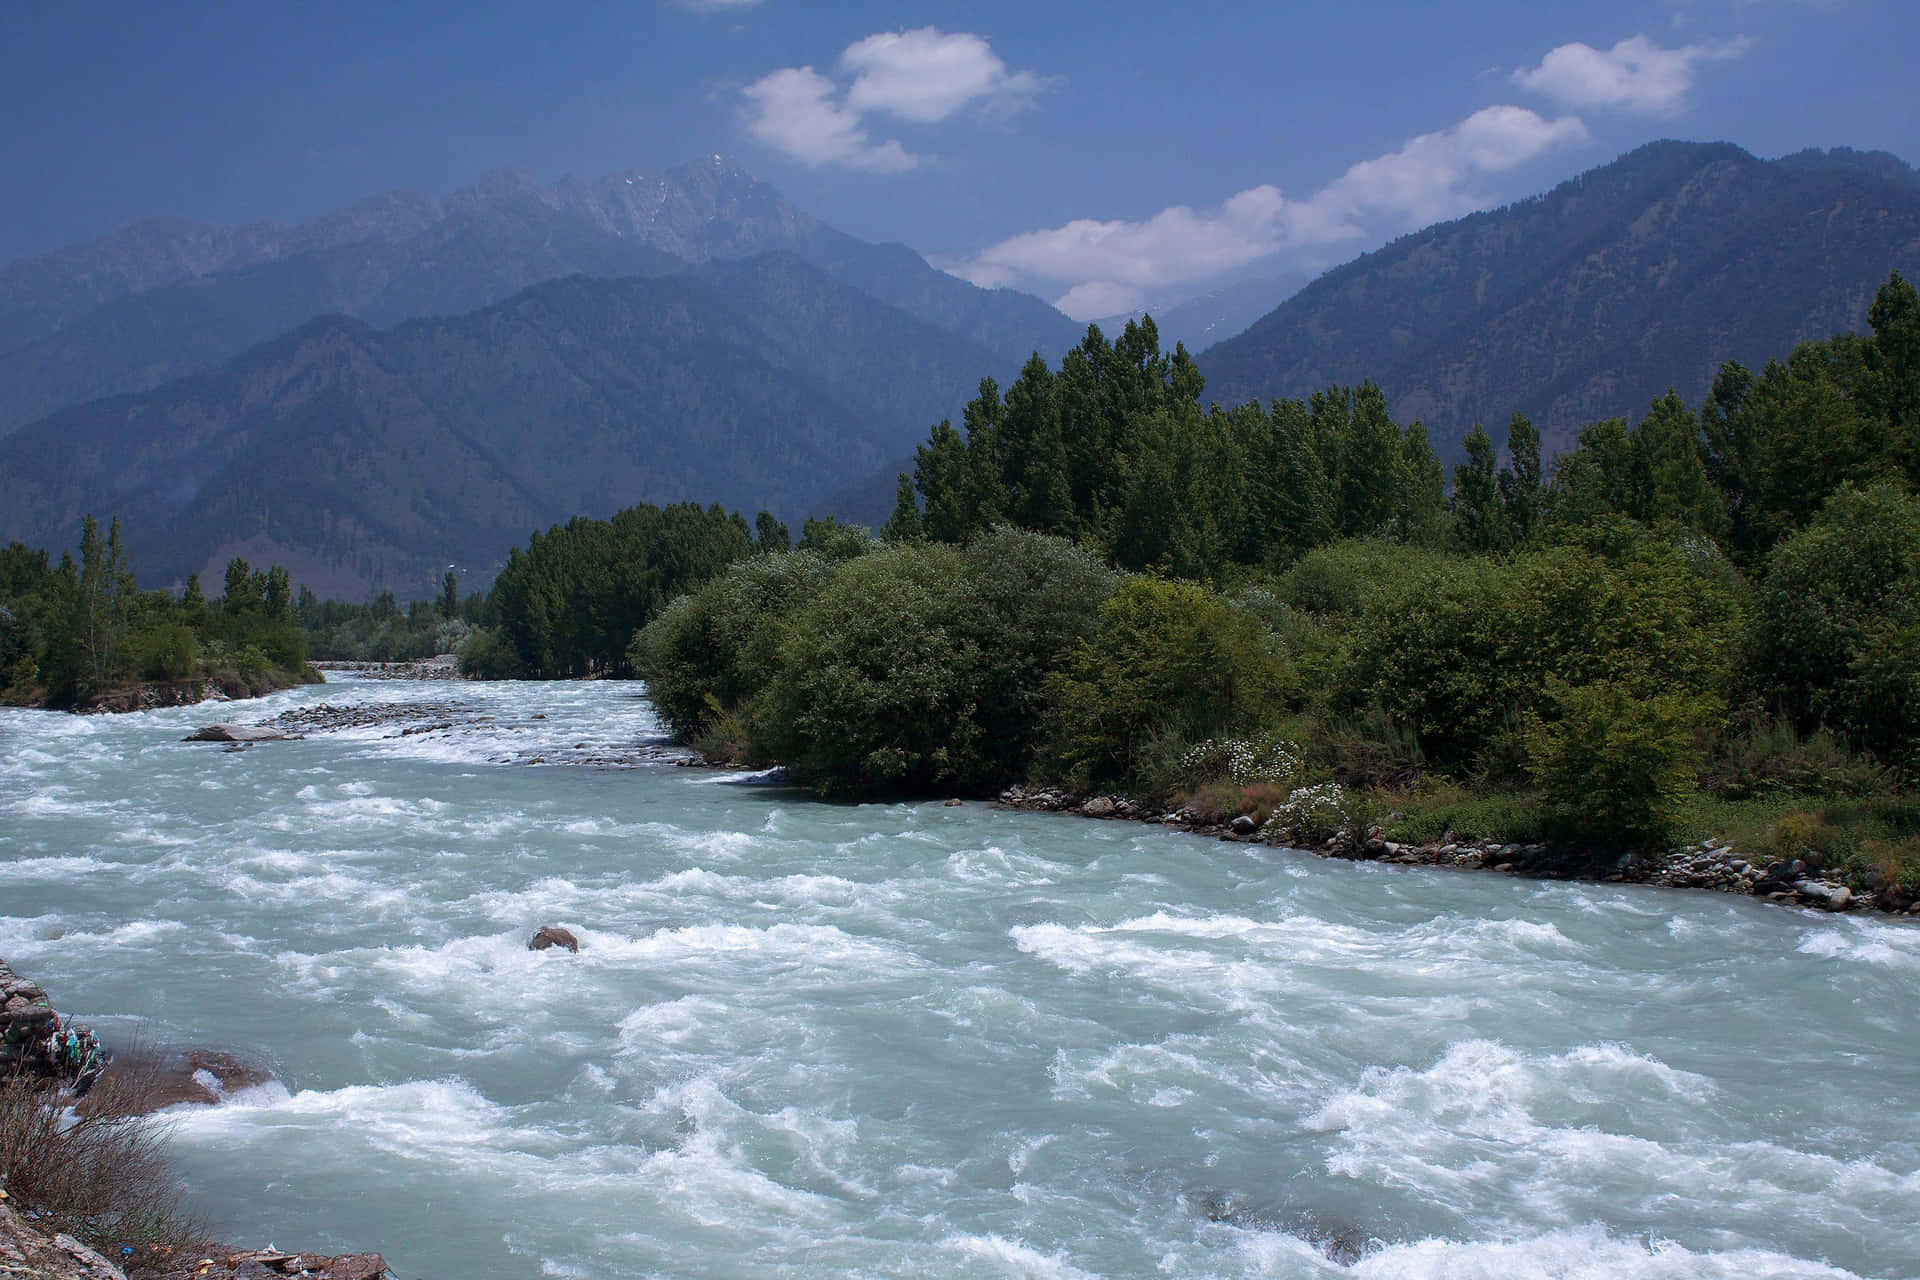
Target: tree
{"type": "Point", "coordinates": [106, 585]}
{"type": "Point", "coordinates": [1370, 478]}
{"type": "Point", "coordinates": [1421, 502]}
{"type": "Point", "coordinates": [769, 534]}
{"type": "Point", "coordinates": [1893, 368]}
{"type": "Point", "coordinates": [1477, 517]}
{"type": "Point", "coordinates": [1838, 615]}
{"type": "Point", "coordinates": [904, 524]}
{"type": "Point", "coordinates": [1521, 493]}
{"type": "Point", "coordinates": [450, 595]}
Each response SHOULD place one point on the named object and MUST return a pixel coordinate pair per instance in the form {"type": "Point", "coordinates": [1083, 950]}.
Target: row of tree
{"type": "Point", "coordinates": [72, 632]}
{"type": "Point", "coordinates": [1114, 450]}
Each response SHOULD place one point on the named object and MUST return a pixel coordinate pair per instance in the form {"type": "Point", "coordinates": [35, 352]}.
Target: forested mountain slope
{"type": "Point", "coordinates": [1594, 298]}
{"type": "Point", "coordinates": [361, 458]}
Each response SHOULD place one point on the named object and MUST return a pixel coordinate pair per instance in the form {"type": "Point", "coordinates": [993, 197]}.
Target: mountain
{"type": "Point", "coordinates": [363, 458]}
{"type": "Point", "coordinates": [1589, 301]}
{"type": "Point", "coordinates": [166, 297]}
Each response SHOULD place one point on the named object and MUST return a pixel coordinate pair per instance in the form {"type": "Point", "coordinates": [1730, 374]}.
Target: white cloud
{"type": "Point", "coordinates": [1431, 177]}
{"type": "Point", "coordinates": [926, 75]}
{"type": "Point", "coordinates": [793, 111]}
{"type": "Point", "coordinates": [1101, 298]}
{"type": "Point", "coordinates": [922, 77]}
{"type": "Point", "coordinates": [1635, 75]}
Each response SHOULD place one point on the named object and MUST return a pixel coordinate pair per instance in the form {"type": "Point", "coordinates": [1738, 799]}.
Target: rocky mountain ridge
{"type": "Point", "coordinates": [167, 297]}
{"type": "Point", "coordinates": [1591, 299]}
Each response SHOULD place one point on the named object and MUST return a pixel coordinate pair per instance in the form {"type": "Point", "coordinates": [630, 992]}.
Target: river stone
{"type": "Point", "coordinates": [1098, 807]}
{"type": "Point", "coordinates": [237, 733]}
{"type": "Point", "coordinates": [550, 936]}
{"type": "Point", "coordinates": [1244, 825]}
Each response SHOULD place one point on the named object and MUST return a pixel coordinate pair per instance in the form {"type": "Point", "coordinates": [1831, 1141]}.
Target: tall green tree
{"type": "Point", "coordinates": [1478, 520]}
{"type": "Point", "coordinates": [1521, 492]}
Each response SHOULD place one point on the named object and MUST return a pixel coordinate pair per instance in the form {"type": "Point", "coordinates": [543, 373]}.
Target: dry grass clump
{"type": "Point", "coordinates": [101, 1175]}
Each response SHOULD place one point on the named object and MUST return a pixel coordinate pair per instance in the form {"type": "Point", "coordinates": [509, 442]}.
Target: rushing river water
{"type": "Point", "coordinates": [913, 1040]}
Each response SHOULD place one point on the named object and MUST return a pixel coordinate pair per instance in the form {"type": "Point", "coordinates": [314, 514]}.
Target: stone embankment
{"type": "Point", "coordinates": [1711, 864]}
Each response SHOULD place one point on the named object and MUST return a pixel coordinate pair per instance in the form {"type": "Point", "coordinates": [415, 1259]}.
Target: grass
{"type": "Point", "coordinates": [1446, 811]}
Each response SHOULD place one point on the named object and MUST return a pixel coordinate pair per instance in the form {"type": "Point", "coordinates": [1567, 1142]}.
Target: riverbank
{"type": "Point", "coordinates": [1710, 864]}
{"type": "Point", "coordinates": [442, 666]}
{"type": "Point", "coordinates": [85, 1191]}
{"type": "Point", "coordinates": [155, 695]}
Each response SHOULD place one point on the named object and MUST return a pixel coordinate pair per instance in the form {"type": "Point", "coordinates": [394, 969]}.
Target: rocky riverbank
{"type": "Point", "coordinates": [1710, 864]}
{"type": "Point", "coordinates": [442, 666]}
{"type": "Point", "coordinates": [32, 1245]}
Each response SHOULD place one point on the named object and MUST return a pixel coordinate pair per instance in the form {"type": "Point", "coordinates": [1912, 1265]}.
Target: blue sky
{"type": "Point", "coordinates": [1099, 154]}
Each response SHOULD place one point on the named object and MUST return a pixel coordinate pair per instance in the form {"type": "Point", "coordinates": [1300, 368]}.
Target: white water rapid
{"type": "Point", "coordinates": [911, 1040]}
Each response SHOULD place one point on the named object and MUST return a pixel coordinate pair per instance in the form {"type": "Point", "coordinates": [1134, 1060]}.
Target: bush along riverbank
{"type": "Point", "coordinates": [83, 637]}
{"type": "Point", "coordinates": [85, 1189]}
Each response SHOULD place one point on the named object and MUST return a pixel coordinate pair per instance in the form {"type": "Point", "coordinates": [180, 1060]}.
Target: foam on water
{"type": "Point", "coordinates": [908, 1040]}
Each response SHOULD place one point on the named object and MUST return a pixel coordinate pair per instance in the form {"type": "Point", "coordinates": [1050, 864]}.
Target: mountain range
{"type": "Point", "coordinates": [359, 457]}
{"type": "Point", "coordinates": [1589, 301]}
{"type": "Point", "coordinates": [167, 297]}
{"type": "Point", "coordinates": [412, 381]}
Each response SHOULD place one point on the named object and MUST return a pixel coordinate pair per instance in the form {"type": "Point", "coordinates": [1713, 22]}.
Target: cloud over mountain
{"type": "Point", "coordinates": [1109, 264]}
{"type": "Point", "coordinates": [921, 77]}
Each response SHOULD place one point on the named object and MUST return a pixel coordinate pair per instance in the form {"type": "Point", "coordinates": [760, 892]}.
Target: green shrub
{"type": "Point", "coordinates": [1169, 659]}
{"type": "Point", "coordinates": [488, 655]}
{"type": "Point", "coordinates": [167, 652]}
{"type": "Point", "coordinates": [1468, 651]}
{"type": "Point", "coordinates": [1614, 762]}
{"type": "Point", "coordinates": [1510, 817]}
{"type": "Point", "coordinates": [709, 653]}
{"type": "Point", "coordinates": [1344, 579]}
{"type": "Point", "coordinates": [878, 677]}
{"type": "Point", "coordinates": [1837, 620]}
{"type": "Point", "coordinates": [1768, 756]}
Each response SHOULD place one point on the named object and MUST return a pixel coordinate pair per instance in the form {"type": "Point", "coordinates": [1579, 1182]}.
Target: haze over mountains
{"type": "Point", "coordinates": [411, 382]}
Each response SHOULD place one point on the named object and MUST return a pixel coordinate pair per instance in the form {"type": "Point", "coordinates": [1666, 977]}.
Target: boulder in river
{"type": "Point", "coordinates": [550, 936]}
{"type": "Point", "coordinates": [238, 733]}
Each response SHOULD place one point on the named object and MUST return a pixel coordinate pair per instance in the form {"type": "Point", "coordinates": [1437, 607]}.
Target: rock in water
{"type": "Point", "coordinates": [237, 733]}
{"type": "Point", "coordinates": [1098, 807]}
{"type": "Point", "coordinates": [1244, 825]}
{"type": "Point", "coordinates": [549, 936]}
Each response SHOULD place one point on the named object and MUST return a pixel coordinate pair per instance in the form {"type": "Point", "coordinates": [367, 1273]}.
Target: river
{"type": "Point", "coordinates": [919, 1040]}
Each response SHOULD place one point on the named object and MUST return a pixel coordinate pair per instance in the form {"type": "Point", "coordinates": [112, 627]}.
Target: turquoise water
{"type": "Point", "coordinates": [911, 1040]}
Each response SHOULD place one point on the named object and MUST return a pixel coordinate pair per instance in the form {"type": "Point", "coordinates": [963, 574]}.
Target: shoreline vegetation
{"type": "Point", "coordinates": [84, 637]}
